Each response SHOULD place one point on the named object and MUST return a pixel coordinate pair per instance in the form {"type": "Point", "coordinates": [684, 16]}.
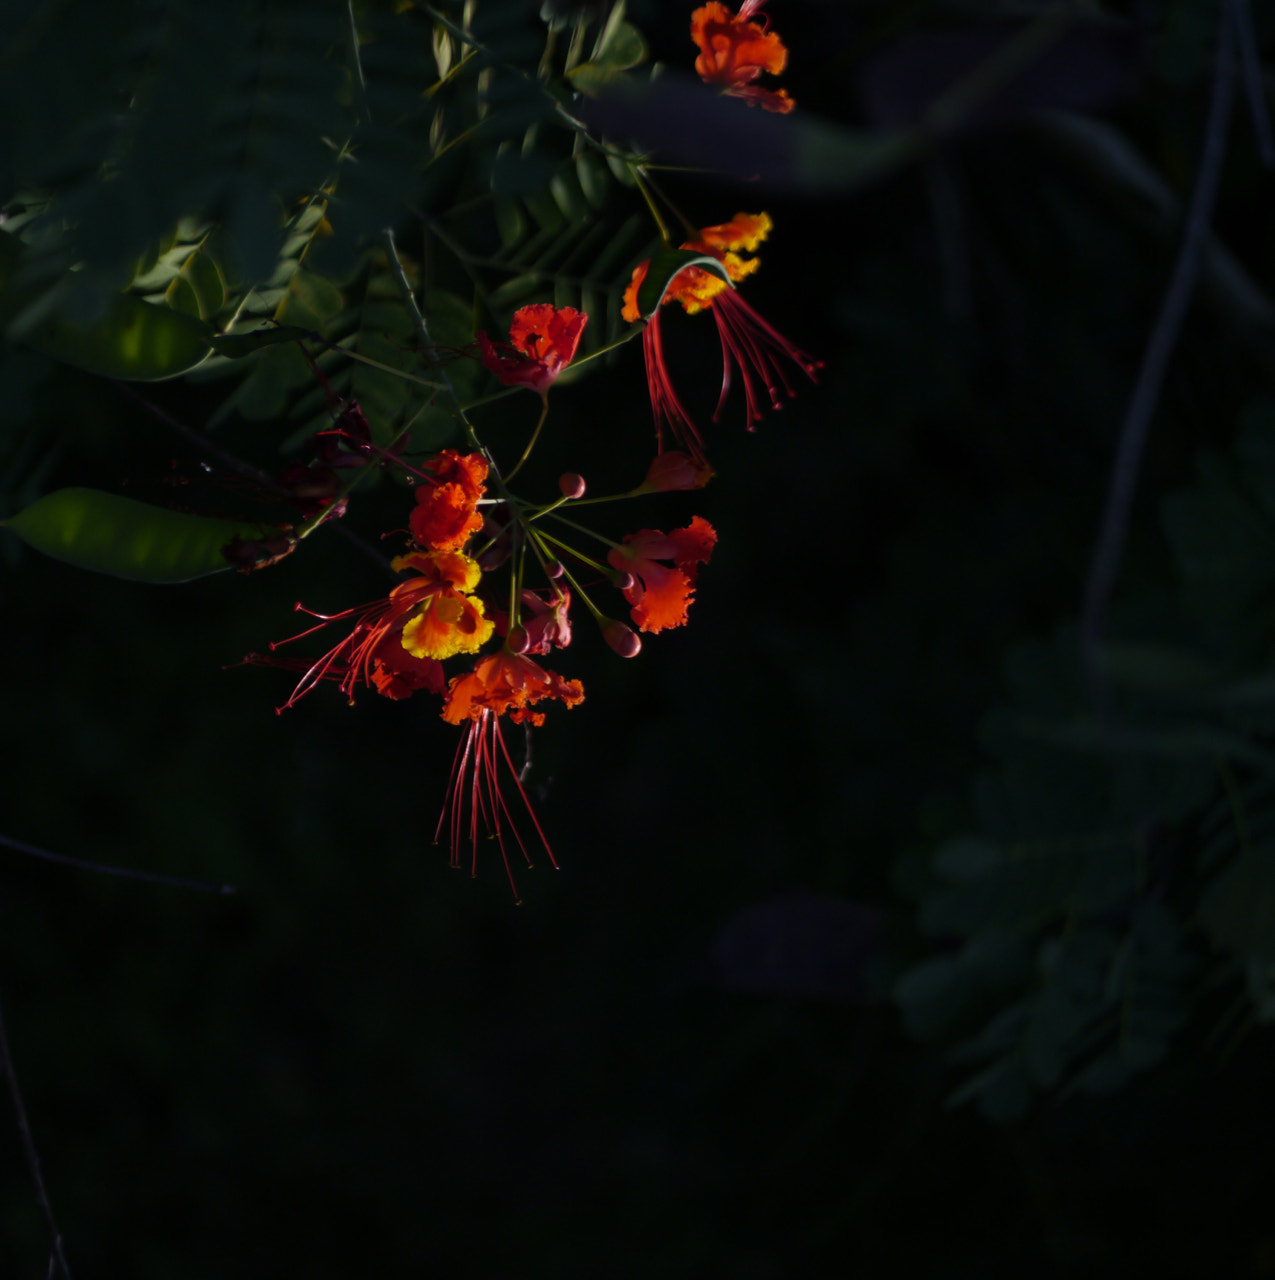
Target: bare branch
{"type": "Point", "coordinates": [1155, 364]}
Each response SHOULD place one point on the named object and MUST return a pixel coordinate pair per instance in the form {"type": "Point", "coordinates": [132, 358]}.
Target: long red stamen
{"type": "Point", "coordinates": [756, 346]}
{"type": "Point", "coordinates": [474, 799]}
{"type": "Point", "coordinates": [665, 404]}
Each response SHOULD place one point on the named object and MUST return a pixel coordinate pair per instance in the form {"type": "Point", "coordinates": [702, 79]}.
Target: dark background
{"type": "Point", "coordinates": [363, 1063]}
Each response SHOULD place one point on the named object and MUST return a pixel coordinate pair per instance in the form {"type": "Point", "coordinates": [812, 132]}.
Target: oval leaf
{"type": "Point", "coordinates": [667, 264]}
{"type": "Point", "coordinates": [111, 534]}
{"type": "Point", "coordinates": [134, 341]}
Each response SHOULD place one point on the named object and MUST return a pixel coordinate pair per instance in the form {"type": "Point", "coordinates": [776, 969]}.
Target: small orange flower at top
{"type": "Point", "coordinates": [735, 51]}
{"type": "Point", "coordinates": [503, 683]}
{"type": "Point", "coordinates": [542, 342]}
{"type": "Point", "coordinates": [749, 342]}
{"type": "Point", "coordinates": [446, 512]}
{"type": "Point", "coordinates": [660, 594]}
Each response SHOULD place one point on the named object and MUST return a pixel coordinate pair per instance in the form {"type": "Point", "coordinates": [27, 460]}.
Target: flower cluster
{"type": "Point", "coordinates": [491, 580]}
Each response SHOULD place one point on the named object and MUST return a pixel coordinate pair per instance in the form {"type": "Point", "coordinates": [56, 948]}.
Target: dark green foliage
{"type": "Point", "coordinates": [1075, 888]}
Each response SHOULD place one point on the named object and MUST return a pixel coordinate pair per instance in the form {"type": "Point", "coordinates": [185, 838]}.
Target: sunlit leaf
{"type": "Point", "coordinates": [667, 264]}
{"type": "Point", "coordinates": [119, 536]}
{"type": "Point", "coordinates": [134, 341]}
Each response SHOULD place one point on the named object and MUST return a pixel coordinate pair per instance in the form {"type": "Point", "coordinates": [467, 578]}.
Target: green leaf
{"type": "Point", "coordinates": [620, 46]}
{"type": "Point", "coordinates": [594, 176]}
{"type": "Point", "coordinates": [204, 276]}
{"type": "Point", "coordinates": [510, 222]}
{"type": "Point", "coordinates": [111, 534]}
{"type": "Point", "coordinates": [664, 266]}
{"type": "Point", "coordinates": [134, 341]}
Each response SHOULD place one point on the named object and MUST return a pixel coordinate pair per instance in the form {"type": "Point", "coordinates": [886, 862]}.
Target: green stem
{"type": "Point", "coordinates": [535, 435]}
{"type": "Point", "coordinates": [579, 528]}
{"type": "Point", "coordinates": [566, 546]}
{"type": "Point", "coordinates": [642, 182]}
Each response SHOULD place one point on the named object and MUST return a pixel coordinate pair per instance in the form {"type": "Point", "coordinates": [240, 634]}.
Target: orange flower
{"type": "Point", "coordinates": [507, 682]}
{"type": "Point", "coordinates": [661, 594]}
{"type": "Point", "coordinates": [397, 644]}
{"type": "Point", "coordinates": [447, 620]}
{"type": "Point", "coordinates": [735, 52]}
{"type": "Point", "coordinates": [748, 341]}
{"type": "Point", "coordinates": [504, 682]}
{"type": "Point", "coordinates": [542, 342]}
{"type": "Point", "coordinates": [371, 654]}
{"type": "Point", "coordinates": [446, 502]}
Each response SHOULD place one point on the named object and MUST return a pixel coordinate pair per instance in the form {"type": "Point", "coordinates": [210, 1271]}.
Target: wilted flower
{"type": "Point", "coordinates": [672, 470]}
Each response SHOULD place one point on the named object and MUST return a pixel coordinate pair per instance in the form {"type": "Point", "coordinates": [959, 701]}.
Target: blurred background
{"type": "Point", "coordinates": [716, 1042]}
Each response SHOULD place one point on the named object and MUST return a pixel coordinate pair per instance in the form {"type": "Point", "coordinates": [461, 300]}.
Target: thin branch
{"type": "Point", "coordinates": [153, 877]}
{"type": "Point", "coordinates": [413, 310]}
{"type": "Point", "coordinates": [196, 438]}
{"type": "Point", "coordinates": [357, 59]}
{"type": "Point", "coordinates": [1242, 16]}
{"type": "Point", "coordinates": [32, 1155]}
{"type": "Point", "coordinates": [232, 463]}
{"type": "Point", "coordinates": [1116, 514]}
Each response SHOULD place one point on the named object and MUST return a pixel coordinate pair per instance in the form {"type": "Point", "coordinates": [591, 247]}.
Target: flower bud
{"type": "Point", "coordinates": [624, 640]}
{"type": "Point", "coordinates": [517, 640]}
{"type": "Point", "coordinates": [572, 484]}
{"type": "Point", "coordinates": [555, 569]}
{"type": "Point", "coordinates": [625, 582]}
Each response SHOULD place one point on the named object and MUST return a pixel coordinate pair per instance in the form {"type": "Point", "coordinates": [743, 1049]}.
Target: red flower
{"type": "Point", "coordinates": [504, 682]}
{"type": "Point", "coordinates": [662, 594]}
{"type": "Point", "coordinates": [735, 51]}
{"type": "Point", "coordinates": [397, 644]}
{"type": "Point", "coordinates": [748, 341]}
{"type": "Point", "coordinates": [446, 502]}
{"type": "Point", "coordinates": [542, 342]}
